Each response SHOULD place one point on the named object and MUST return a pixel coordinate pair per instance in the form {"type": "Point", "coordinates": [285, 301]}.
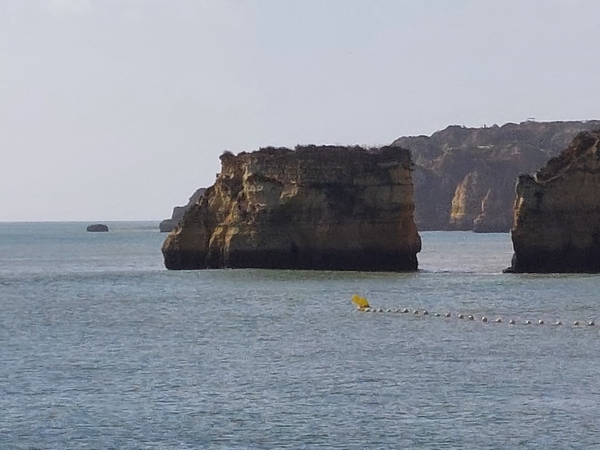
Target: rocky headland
{"type": "Point", "coordinates": [465, 178]}
{"type": "Point", "coordinates": [315, 207]}
{"type": "Point", "coordinates": [557, 212]}
{"type": "Point", "coordinates": [168, 225]}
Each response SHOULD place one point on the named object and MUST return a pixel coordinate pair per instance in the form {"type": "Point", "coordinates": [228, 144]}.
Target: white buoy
{"type": "Point", "coordinates": [511, 321]}
{"type": "Point", "coordinates": [498, 320]}
{"type": "Point", "coordinates": [484, 319]}
{"type": "Point", "coordinates": [540, 322]}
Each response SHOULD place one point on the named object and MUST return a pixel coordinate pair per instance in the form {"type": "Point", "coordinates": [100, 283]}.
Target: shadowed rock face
{"type": "Point", "coordinates": [167, 225]}
{"type": "Point", "coordinates": [465, 177]}
{"type": "Point", "coordinates": [331, 208]}
{"type": "Point", "coordinates": [557, 212]}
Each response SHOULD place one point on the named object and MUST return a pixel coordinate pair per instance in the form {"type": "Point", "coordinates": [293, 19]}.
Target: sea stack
{"type": "Point", "coordinates": [557, 212]}
{"type": "Point", "coordinates": [315, 207]}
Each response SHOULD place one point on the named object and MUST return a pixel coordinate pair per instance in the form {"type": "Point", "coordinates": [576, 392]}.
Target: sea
{"type": "Point", "coordinates": [102, 348]}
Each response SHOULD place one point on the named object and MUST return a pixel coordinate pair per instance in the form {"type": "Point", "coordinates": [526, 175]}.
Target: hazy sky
{"type": "Point", "coordinates": [119, 109]}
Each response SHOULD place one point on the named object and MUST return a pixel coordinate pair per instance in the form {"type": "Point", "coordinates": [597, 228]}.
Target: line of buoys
{"type": "Point", "coordinates": [484, 319]}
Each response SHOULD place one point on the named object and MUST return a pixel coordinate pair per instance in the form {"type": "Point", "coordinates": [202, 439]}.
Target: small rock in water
{"type": "Point", "coordinates": [388, 310]}
{"type": "Point", "coordinates": [576, 323]}
{"type": "Point", "coordinates": [558, 322]}
{"type": "Point", "coordinates": [437, 314]}
{"type": "Point", "coordinates": [591, 323]}
{"type": "Point", "coordinates": [425, 313]}
{"type": "Point", "coordinates": [470, 317]}
{"type": "Point", "coordinates": [484, 319]}
{"type": "Point", "coordinates": [97, 227]}
{"type": "Point", "coordinates": [461, 316]}
{"type": "Point", "coordinates": [405, 310]}
{"type": "Point", "coordinates": [528, 322]}
{"type": "Point", "coordinates": [540, 322]}
{"type": "Point", "coordinates": [498, 320]}
{"type": "Point", "coordinates": [416, 311]}
{"type": "Point", "coordinates": [447, 314]}
{"type": "Point", "coordinates": [511, 321]}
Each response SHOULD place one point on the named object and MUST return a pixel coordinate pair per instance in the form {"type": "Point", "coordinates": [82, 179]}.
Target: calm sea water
{"type": "Point", "coordinates": [102, 348]}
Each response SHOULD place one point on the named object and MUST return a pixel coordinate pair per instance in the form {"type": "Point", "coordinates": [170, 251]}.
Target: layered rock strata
{"type": "Point", "coordinates": [330, 208]}
{"type": "Point", "coordinates": [557, 212]}
{"type": "Point", "coordinates": [465, 177]}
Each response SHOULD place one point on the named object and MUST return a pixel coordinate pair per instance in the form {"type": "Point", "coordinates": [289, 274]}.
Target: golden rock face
{"type": "Point", "coordinates": [464, 178]}
{"type": "Point", "coordinates": [557, 212]}
{"type": "Point", "coordinates": [330, 208]}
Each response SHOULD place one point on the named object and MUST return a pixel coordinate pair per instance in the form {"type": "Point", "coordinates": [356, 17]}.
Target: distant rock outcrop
{"type": "Point", "coordinates": [97, 227]}
{"type": "Point", "coordinates": [557, 212]}
{"type": "Point", "coordinates": [465, 177]}
{"type": "Point", "coordinates": [168, 225]}
{"type": "Point", "coordinates": [330, 208]}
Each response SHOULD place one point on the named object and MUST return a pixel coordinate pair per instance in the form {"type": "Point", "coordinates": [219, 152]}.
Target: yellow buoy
{"type": "Point", "coordinates": [361, 302]}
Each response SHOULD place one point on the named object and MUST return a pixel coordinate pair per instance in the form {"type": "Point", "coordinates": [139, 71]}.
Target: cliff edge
{"type": "Point", "coordinates": [557, 212]}
{"type": "Point", "coordinates": [315, 207]}
{"type": "Point", "coordinates": [168, 225]}
{"type": "Point", "coordinates": [465, 177]}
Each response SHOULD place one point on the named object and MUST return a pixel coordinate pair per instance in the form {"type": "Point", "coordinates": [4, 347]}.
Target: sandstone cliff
{"type": "Point", "coordinates": [465, 177]}
{"type": "Point", "coordinates": [337, 208]}
{"type": "Point", "coordinates": [168, 225]}
{"type": "Point", "coordinates": [557, 212]}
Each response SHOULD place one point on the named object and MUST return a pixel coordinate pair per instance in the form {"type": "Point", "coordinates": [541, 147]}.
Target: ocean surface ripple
{"type": "Point", "coordinates": [101, 347]}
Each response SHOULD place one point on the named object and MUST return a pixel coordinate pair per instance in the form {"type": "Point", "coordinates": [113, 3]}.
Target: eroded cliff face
{"type": "Point", "coordinates": [465, 177]}
{"type": "Point", "coordinates": [337, 208]}
{"type": "Point", "coordinates": [557, 212]}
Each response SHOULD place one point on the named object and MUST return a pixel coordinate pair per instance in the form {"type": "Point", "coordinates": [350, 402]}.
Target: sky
{"type": "Point", "coordinates": [119, 109]}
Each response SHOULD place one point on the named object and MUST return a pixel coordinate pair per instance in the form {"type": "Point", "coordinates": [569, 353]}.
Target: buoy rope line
{"type": "Point", "coordinates": [363, 306]}
{"type": "Point", "coordinates": [471, 317]}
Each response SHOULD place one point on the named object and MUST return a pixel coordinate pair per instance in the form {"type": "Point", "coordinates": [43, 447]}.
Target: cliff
{"type": "Point", "coordinates": [331, 208]}
{"type": "Point", "coordinates": [465, 177]}
{"type": "Point", "coordinates": [168, 225]}
{"type": "Point", "coordinates": [557, 212]}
